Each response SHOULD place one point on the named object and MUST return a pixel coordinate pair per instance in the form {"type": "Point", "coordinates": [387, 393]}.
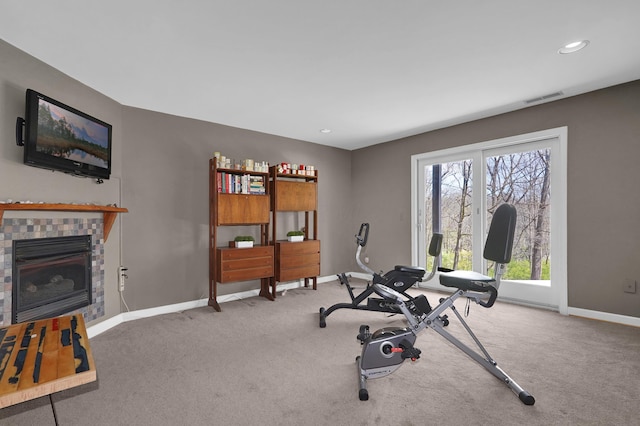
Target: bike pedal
{"type": "Point", "coordinates": [364, 334]}
{"type": "Point", "coordinates": [422, 304]}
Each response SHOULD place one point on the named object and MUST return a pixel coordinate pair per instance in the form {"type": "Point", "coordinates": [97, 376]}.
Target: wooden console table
{"type": "Point", "coordinates": [109, 212]}
{"type": "Point", "coordinates": [42, 357]}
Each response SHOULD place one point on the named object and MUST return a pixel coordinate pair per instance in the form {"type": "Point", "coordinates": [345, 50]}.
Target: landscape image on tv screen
{"type": "Point", "coordinates": [67, 135]}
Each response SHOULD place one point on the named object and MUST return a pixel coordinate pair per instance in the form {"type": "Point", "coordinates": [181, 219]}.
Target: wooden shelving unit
{"type": "Point", "coordinates": [109, 213]}
{"type": "Point", "coordinates": [296, 193]}
{"type": "Point", "coordinates": [227, 208]}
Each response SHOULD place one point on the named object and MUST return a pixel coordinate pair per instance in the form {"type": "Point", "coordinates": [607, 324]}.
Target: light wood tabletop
{"type": "Point", "coordinates": [41, 357]}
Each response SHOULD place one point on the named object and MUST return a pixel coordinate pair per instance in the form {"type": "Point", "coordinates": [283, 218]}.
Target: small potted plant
{"type": "Point", "coordinates": [295, 235]}
{"type": "Point", "coordinates": [242, 241]}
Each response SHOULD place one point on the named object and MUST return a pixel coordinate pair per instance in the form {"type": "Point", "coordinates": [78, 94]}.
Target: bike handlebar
{"type": "Point", "coordinates": [493, 295]}
{"type": "Point", "coordinates": [360, 238]}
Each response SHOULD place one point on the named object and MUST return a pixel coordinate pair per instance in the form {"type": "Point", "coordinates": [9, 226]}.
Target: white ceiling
{"type": "Point", "coordinates": [369, 70]}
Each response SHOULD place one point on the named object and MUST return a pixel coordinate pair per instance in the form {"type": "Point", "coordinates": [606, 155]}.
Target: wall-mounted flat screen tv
{"type": "Point", "coordinates": [59, 137]}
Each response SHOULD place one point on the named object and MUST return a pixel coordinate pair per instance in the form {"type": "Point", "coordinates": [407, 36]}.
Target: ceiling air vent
{"type": "Point", "coordinates": [543, 98]}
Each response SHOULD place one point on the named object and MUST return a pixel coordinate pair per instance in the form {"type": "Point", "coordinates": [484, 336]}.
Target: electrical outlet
{"type": "Point", "coordinates": [122, 276]}
{"type": "Point", "coordinates": [630, 286]}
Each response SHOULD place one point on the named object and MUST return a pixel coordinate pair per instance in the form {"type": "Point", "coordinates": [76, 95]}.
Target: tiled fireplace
{"type": "Point", "coordinates": [26, 229]}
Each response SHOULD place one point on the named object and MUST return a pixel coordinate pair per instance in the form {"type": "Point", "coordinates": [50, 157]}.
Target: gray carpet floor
{"type": "Point", "coordinates": [268, 363]}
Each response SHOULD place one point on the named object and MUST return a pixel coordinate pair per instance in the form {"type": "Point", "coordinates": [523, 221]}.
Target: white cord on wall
{"type": "Point", "coordinates": [120, 289]}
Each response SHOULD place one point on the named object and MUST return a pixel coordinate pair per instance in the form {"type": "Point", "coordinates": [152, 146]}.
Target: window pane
{"type": "Point", "coordinates": [522, 179]}
{"type": "Point", "coordinates": [450, 212]}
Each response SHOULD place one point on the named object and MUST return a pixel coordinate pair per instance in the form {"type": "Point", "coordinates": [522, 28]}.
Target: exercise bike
{"type": "Point", "coordinates": [384, 350]}
{"type": "Point", "coordinates": [401, 278]}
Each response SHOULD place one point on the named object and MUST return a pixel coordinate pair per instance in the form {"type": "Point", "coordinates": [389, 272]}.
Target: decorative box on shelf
{"type": "Point", "coordinates": [240, 244]}
{"type": "Point", "coordinates": [295, 236]}
{"type": "Point", "coordinates": [242, 241]}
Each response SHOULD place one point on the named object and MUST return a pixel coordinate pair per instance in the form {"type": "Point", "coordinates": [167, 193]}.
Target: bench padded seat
{"type": "Point", "coordinates": [413, 270]}
{"type": "Point", "coordinates": [466, 280]}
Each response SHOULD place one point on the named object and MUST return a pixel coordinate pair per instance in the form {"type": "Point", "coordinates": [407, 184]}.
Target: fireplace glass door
{"type": "Point", "coordinates": [51, 276]}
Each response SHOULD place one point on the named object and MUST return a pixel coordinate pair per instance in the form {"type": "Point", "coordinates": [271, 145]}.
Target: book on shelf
{"type": "Point", "coordinates": [233, 183]}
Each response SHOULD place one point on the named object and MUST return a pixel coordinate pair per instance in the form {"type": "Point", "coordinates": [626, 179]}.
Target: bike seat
{"type": "Point", "coordinates": [466, 280]}
{"type": "Point", "coordinates": [412, 270]}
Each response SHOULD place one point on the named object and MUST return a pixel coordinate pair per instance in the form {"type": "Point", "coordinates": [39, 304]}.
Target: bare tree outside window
{"type": "Point", "coordinates": [521, 179]}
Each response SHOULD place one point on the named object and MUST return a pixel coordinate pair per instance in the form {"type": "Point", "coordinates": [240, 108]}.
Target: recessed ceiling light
{"type": "Point", "coordinates": [325, 130]}
{"type": "Point", "coordinates": [573, 47]}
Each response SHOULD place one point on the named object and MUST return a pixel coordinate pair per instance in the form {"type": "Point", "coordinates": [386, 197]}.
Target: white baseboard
{"type": "Point", "coordinates": [605, 316]}
{"type": "Point", "coordinates": [578, 312]}
{"type": "Point", "coordinates": [107, 324]}
{"type": "Point", "coordinates": [360, 275]}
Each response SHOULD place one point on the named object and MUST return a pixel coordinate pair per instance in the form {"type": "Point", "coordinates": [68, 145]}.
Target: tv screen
{"type": "Point", "coordinates": [59, 137]}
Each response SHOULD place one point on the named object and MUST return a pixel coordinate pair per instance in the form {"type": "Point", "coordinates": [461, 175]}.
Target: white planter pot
{"type": "Point", "coordinates": [244, 244]}
{"type": "Point", "coordinates": [295, 238]}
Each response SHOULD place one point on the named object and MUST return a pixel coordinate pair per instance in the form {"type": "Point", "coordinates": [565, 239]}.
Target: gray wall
{"type": "Point", "coordinates": [166, 161]}
{"type": "Point", "coordinates": [603, 203]}
{"type": "Point", "coordinates": [19, 71]}
{"type": "Point", "coordinates": [161, 162]}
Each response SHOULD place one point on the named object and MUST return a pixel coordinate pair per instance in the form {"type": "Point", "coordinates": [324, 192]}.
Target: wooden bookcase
{"type": "Point", "coordinates": [296, 193]}
{"type": "Point", "coordinates": [228, 208]}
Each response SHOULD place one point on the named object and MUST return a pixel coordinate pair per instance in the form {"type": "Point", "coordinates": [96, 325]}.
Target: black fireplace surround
{"type": "Point", "coordinates": [51, 276]}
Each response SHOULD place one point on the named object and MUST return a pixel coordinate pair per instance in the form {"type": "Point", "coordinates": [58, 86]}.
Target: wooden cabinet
{"type": "Point", "coordinates": [238, 197]}
{"type": "Point", "coordinates": [242, 209]}
{"type": "Point", "coordinates": [244, 264]}
{"type": "Point", "coordinates": [297, 260]}
{"type": "Point", "coordinates": [296, 193]}
{"type": "Point", "coordinates": [295, 196]}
